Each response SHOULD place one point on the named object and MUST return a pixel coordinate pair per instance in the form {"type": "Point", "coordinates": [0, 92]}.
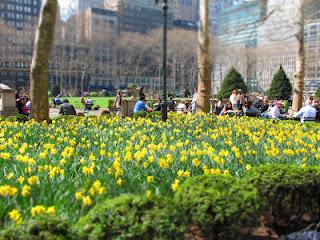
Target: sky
{"type": "Point", "coordinates": [64, 8]}
{"type": "Point", "coordinates": [64, 3]}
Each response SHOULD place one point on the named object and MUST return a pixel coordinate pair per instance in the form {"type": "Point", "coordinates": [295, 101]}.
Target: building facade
{"type": "Point", "coordinates": [185, 10]}
{"type": "Point", "coordinates": [278, 45]}
{"type": "Point", "coordinates": [238, 24]}
{"type": "Point", "coordinates": [81, 5]}
{"type": "Point", "coordinates": [312, 45]}
{"type": "Point", "coordinates": [18, 19]}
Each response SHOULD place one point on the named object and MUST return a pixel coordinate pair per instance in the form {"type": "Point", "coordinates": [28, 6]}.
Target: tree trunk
{"type": "Point", "coordinates": [204, 81]}
{"type": "Point", "coordinates": [40, 61]}
{"type": "Point", "coordinates": [300, 64]}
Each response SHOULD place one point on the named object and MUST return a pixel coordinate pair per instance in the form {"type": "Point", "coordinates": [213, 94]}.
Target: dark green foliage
{"type": "Point", "coordinates": [282, 197]}
{"type": "Point", "coordinates": [55, 91]}
{"type": "Point", "coordinates": [17, 118]}
{"type": "Point", "coordinates": [93, 94]}
{"type": "Point", "coordinates": [143, 114]}
{"type": "Point", "coordinates": [232, 81]}
{"type": "Point", "coordinates": [132, 217]}
{"type": "Point", "coordinates": [290, 193]}
{"type": "Point", "coordinates": [218, 203]}
{"type": "Point", "coordinates": [186, 93]}
{"type": "Point", "coordinates": [42, 228]}
{"type": "Point", "coordinates": [280, 86]}
{"type": "Point", "coordinates": [318, 93]}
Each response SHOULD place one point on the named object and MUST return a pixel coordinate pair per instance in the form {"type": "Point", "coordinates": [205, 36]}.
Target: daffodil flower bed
{"type": "Point", "coordinates": [66, 167]}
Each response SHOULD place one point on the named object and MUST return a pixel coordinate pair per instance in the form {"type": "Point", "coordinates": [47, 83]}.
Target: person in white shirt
{"type": "Point", "coordinates": [194, 101]}
{"type": "Point", "coordinates": [234, 99]}
{"type": "Point", "coordinates": [274, 112]}
{"type": "Point", "coordinates": [307, 112]}
{"type": "Point", "coordinates": [181, 107]}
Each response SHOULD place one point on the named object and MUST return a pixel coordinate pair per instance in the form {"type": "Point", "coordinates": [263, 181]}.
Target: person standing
{"type": "Point", "coordinates": [234, 97]}
{"type": "Point", "coordinates": [141, 93]}
{"type": "Point", "coordinates": [118, 104]}
{"type": "Point", "coordinates": [194, 101]}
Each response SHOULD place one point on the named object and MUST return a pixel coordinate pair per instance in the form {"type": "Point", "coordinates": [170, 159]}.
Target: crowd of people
{"type": "Point", "coordinates": [238, 104]}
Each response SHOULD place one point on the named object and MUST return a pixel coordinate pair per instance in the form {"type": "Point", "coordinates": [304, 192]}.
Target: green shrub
{"type": "Point", "coordinates": [93, 94]}
{"type": "Point", "coordinates": [291, 195]}
{"type": "Point", "coordinates": [232, 81]}
{"type": "Point", "coordinates": [132, 217]}
{"type": "Point", "coordinates": [218, 203]}
{"type": "Point", "coordinates": [17, 118]}
{"type": "Point", "coordinates": [282, 197]}
{"type": "Point", "coordinates": [280, 87]}
{"type": "Point", "coordinates": [111, 103]}
{"type": "Point", "coordinates": [143, 114]}
{"type": "Point", "coordinates": [42, 228]}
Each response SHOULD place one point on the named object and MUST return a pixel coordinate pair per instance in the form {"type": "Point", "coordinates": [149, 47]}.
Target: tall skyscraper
{"type": "Point", "coordinates": [238, 25]}
{"type": "Point", "coordinates": [216, 6]}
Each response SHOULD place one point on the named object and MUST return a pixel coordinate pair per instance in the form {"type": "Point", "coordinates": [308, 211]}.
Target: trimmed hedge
{"type": "Point", "coordinates": [218, 203]}
{"type": "Point", "coordinates": [41, 228]}
{"type": "Point", "coordinates": [291, 195]}
{"type": "Point", "coordinates": [17, 118]}
{"type": "Point", "coordinates": [132, 217]}
{"type": "Point", "coordinates": [283, 198]}
{"type": "Point", "coordinates": [143, 114]}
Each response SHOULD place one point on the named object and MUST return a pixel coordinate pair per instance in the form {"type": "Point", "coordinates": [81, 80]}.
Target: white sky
{"type": "Point", "coordinates": [64, 3]}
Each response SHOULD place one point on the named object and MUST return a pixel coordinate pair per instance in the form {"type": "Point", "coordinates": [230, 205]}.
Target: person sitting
{"type": "Point", "coordinates": [250, 111]}
{"type": "Point", "coordinates": [306, 113]}
{"type": "Point", "coordinates": [88, 104]}
{"type": "Point", "coordinates": [27, 106]}
{"type": "Point", "coordinates": [171, 104]}
{"type": "Point", "coordinates": [274, 112]}
{"type": "Point", "coordinates": [181, 107]}
{"type": "Point", "coordinates": [67, 109]}
{"type": "Point", "coordinates": [57, 102]}
{"type": "Point", "coordinates": [141, 105]}
{"type": "Point", "coordinates": [218, 107]}
{"type": "Point", "coordinates": [20, 105]}
{"type": "Point", "coordinates": [157, 106]}
{"type": "Point", "coordinates": [227, 109]}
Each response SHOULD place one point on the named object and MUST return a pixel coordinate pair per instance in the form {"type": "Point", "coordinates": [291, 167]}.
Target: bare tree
{"type": "Point", "coordinates": [40, 61]}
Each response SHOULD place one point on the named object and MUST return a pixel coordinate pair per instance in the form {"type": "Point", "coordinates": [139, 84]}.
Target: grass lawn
{"type": "Point", "coordinates": [103, 102]}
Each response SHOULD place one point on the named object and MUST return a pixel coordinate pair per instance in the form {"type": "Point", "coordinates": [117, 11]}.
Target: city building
{"type": "Point", "coordinates": [185, 9]}
{"type": "Point", "coordinates": [312, 46]}
{"type": "Point", "coordinates": [215, 8]}
{"type": "Point", "coordinates": [80, 5]}
{"type": "Point", "coordinates": [278, 45]}
{"type": "Point", "coordinates": [140, 16]}
{"type": "Point", "coordinates": [16, 13]}
{"type": "Point", "coordinates": [238, 24]}
{"type": "Point", "coordinates": [18, 19]}
{"type": "Point", "coordinates": [84, 52]}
